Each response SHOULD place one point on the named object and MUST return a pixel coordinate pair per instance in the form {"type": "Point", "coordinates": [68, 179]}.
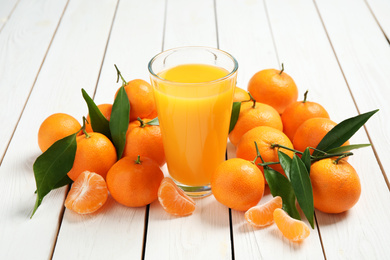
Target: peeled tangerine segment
{"type": "Point", "coordinates": [262, 215]}
{"type": "Point", "coordinates": [174, 200]}
{"type": "Point", "coordinates": [88, 193]}
{"type": "Point", "coordinates": [293, 229]}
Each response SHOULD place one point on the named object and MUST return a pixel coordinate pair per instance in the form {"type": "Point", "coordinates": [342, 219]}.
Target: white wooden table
{"type": "Point", "coordinates": [50, 49]}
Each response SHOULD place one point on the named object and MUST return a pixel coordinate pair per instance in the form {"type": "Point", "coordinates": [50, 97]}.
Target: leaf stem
{"type": "Point", "coordinates": [83, 128]}
{"type": "Point", "coordinates": [141, 122]}
{"type": "Point", "coordinates": [119, 74]}
{"type": "Point", "coordinates": [285, 147]}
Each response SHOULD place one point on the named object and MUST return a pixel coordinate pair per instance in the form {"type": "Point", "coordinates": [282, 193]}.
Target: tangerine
{"type": "Point", "coordinates": [173, 199]}
{"type": "Point", "coordinates": [253, 114]}
{"type": "Point", "coordinates": [273, 87]}
{"type": "Point", "coordinates": [240, 95]}
{"type": "Point", "coordinates": [56, 127]}
{"type": "Point", "coordinates": [134, 181]}
{"type": "Point", "coordinates": [145, 140]}
{"type": "Point", "coordinates": [298, 112]}
{"type": "Point", "coordinates": [311, 132]}
{"type": "Point", "coordinates": [88, 193]}
{"type": "Point", "coordinates": [237, 184]}
{"type": "Point", "coordinates": [94, 153]}
{"type": "Point", "coordinates": [266, 138]}
{"type": "Point", "coordinates": [336, 185]}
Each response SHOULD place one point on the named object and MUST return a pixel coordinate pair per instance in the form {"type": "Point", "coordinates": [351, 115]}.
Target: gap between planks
{"type": "Point", "coordinates": [349, 89]}
{"type": "Point", "coordinates": [380, 27]}
{"type": "Point", "coordinates": [9, 15]}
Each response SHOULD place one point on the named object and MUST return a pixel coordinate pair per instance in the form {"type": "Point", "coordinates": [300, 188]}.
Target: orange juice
{"type": "Point", "coordinates": [194, 103]}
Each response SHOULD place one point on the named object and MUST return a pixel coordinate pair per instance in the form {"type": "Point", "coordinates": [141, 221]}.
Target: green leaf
{"type": "Point", "coordinates": [119, 121]}
{"type": "Point", "coordinates": [64, 181]}
{"type": "Point", "coordinates": [235, 113]}
{"type": "Point", "coordinates": [99, 122]}
{"type": "Point", "coordinates": [306, 159]}
{"type": "Point", "coordinates": [301, 184]}
{"type": "Point", "coordinates": [347, 148]}
{"type": "Point", "coordinates": [280, 186]}
{"type": "Point", "coordinates": [342, 132]}
{"type": "Point", "coordinates": [154, 121]}
{"type": "Point", "coordinates": [51, 167]}
{"type": "Point", "coordinates": [285, 162]}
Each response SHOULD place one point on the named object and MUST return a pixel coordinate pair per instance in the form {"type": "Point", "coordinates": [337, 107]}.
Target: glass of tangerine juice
{"type": "Point", "coordinates": [193, 89]}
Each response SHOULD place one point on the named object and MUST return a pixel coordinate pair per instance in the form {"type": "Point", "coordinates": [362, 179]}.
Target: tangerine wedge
{"type": "Point", "coordinates": [88, 193]}
{"type": "Point", "coordinates": [262, 215]}
{"type": "Point", "coordinates": [174, 200]}
{"type": "Point", "coordinates": [292, 229]}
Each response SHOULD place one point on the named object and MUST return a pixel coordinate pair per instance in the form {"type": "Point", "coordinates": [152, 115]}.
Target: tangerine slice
{"type": "Point", "coordinates": [293, 229]}
{"type": "Point", "coordinates": [262, 215]}
{"type": "Point", "coordinates": [88, 193]}
{"type": "Point", "coordinates": [174, 200]}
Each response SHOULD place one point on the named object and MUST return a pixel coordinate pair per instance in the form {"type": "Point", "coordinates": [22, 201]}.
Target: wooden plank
{"type": "Point", "coordinates": [23, 45]}
{"type": "Point", "coordinates": [130, 47]}
{"type": "Point", "coordinates": [303, 45]}
{"type": "Point", "coordinates": [252, 40]}
{"type": "Point", "coordinates": [72, 63]}
{"type": "Point", "coordinates": [365, 62]}
{"type": "Point", "coordinates": [205, 234]}
{"type": "Point", "coordinates": [380, 10]}
{"type": "Point", "coordinates": [6, 9]}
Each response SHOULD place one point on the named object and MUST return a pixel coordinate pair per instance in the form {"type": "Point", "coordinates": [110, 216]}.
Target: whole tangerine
{"type": "Point", "coordinates": [253, 114]}
{"type": "Point", "coordinates": [298, 112]}
{"type": "Point", "coordinates": [336, 185]}
{"type": "Point", "coordinates": [56, 127]}
{"type": "Point", "coordinates": [134, 182]}
{"type": "Point", "coordinates": [237, 184]}
{"type": "Point", "coordinates": [240, 95]}
{"type": "Point", "coordinates": [95, 153]}
{"type": "Point", "coordinates": [273, 87]}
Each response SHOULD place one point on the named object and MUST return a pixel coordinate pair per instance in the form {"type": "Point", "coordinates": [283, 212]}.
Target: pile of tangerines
{"type": "Point", "coordinates": [270, 114]}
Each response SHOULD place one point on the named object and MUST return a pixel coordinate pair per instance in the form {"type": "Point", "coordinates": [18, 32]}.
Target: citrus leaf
{"type": "Point", "coordinates": [235, 113]}
{"type": "Point", "coordinates": [342, 132]}
{"type": "Point", "coordinates": [280, 186]}
{"type": "Point", "coordinates": [119, 121]}
{"type": "Point", "coordinates": [347, 148]}
{"type": "Point", "coordinates": [154, 121]}
{"type": "Point", "coordinates": [99, 122]}
{"type": "Point", "coordinates": [64, 181]}
{"type": "Point", "coordinates": [306, 159]}
{"type": "Point", "coordinates": [51, 167]}
{"type": "Point", "coordinates": [300, 181]}
{"type": "Point", "coordinates": [285, 162]}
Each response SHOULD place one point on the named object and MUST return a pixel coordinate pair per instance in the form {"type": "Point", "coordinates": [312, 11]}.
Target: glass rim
{"type": "Point", "coordinates": [231, 73]}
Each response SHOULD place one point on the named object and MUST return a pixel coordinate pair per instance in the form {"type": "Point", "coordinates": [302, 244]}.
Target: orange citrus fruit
{"type": "Point", "coordinates": [134, 182]}
{"type": "Point", "coordinates": [262, 215]}
{"type": "Point", "coordinates": [237, 184]}
{"type": "Point", "coordinates": [106, 111]}
{"type": "Point", "coordinates": [273, 87]}
{"type": "Point", "coordinates": [141, 98]}
{"type": "Point", "coordinates": [88, 193]}
{"type": "Point", "coordinates": [240, 95]}
{"type": "Point", "coordinates": [265, 137]}
{"type": "Point", "coordinates": [174, 200]}
{"type": "Point", "coordinates": [252, 115]}
{"type": "Point", "coordinates": [56, 127]}
{"type": "Point", "coordinates": [293, 229]}
{"type": "Point", "coordinates": [145, 140]}
{"type": "Point", "coordinates": [298, 112]}
{"type": "Point", "coordinates": [336, 185]}
{"type": "Point", "coordinates": [94, 153]}
{"type": "Point", "coordinates": [311, 132]}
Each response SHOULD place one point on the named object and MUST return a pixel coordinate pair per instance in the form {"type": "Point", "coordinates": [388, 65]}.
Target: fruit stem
{"type": "Point", "coordinates": [252, 99]}
{"type": "Point", "coordinates": [119, 74]}
{"type": "Point", "coordinates": [340, 156]}
{"type": "Point", "coordinates": [138, 161]}
{"type": "Point", "coordinates": [268, 163]}
{"type": "Point", "coordinates": [83, 128]}
{"type": "Point", "coordinates": [280, 73]}
{"type": "Point", "coordinates": [141, 122]}
{"type": "Point", "coordinates": [305, 96]}
{"type": "Point", "coordinates": [258, 155]}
